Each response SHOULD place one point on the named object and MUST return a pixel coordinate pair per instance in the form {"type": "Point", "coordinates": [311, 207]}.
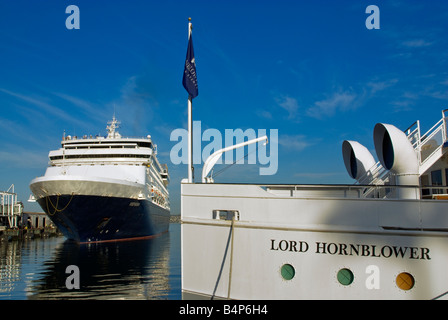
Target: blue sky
{"type": "Point", "coordinates": [310, 69]}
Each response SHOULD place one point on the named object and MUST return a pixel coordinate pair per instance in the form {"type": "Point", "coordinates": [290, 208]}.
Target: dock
{"type": "Point", "coordinates": [16, 224]}
{"type": "Point", "coordinates": [30, 225]}
{"type": "Point", "coordinates": [10, 208]}
{"type": "Point", "coordinates": [27, 234]}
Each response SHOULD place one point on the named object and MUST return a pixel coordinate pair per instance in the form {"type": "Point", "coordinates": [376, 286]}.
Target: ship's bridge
{"type": "Point", "coordinates": [112, 149]}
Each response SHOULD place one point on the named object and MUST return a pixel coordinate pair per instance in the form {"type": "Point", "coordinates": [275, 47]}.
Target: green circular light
{"type": "Point", "coordinates": [287, 271]}
{"type": "Point", "coordinates": [345, 277]}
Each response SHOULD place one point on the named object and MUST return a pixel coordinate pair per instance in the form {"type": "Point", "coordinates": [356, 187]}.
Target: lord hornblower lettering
{"type": "Point", "coordinates": [344, 249]}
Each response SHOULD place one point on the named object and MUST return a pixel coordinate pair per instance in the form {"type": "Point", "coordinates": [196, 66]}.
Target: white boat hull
{"type": "Point", "coordinates": [237, 240]}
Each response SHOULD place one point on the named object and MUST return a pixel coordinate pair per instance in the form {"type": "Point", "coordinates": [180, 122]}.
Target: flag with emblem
{"type": "Point", "coordinates": [190, 80]}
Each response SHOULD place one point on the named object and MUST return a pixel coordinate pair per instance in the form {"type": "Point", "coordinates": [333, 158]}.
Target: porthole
{"type": "Point", "coordinates": [345, 277]}
{"type": "Point", "coordinates": [405, 281]}
{"type": "Point", "coordinates": [287, 271]}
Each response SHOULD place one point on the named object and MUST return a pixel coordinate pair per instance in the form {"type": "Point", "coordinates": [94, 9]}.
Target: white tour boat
{"type": "Point", "coordinates": [384, 237]}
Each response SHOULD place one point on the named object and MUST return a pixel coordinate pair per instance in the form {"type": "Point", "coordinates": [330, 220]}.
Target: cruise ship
{"type": "Point", "coordinates": [383, 237]}
{"type": "Point", "coordinates": [105, 188]}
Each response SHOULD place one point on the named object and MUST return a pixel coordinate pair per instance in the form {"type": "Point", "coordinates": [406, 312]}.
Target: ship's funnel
{"type": "Point", "coordinates": [396, 154]}
{"type": "Point", "coordinates": [357, 159]}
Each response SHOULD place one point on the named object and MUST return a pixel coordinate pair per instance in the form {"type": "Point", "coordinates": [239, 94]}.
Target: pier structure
{"type": "Point", "coordinates": [10, 209]}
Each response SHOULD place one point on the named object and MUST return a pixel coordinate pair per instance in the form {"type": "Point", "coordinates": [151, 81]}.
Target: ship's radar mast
{"type": "Point", "coordinates": [112, 126]}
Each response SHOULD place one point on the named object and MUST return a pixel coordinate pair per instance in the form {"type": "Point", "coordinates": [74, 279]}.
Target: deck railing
{"type": "Point", "coordinates": [356, 191]}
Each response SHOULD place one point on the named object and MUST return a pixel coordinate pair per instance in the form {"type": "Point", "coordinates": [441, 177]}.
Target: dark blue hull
{"type": "Point", "coordinates": [94, 218]}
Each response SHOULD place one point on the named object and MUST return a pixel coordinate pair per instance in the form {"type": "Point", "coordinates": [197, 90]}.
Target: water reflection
{"type": "Point", "coordinates": [123, 270]}
{"type": "Point", "coordinates": [9, 267]}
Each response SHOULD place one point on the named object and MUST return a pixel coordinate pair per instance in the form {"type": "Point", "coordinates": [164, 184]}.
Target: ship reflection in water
{"type": "Point", "coordinates": [146, 269]}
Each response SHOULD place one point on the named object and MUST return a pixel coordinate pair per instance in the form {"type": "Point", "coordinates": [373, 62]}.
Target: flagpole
{"type": "Point", "coordinates": [190, 125]}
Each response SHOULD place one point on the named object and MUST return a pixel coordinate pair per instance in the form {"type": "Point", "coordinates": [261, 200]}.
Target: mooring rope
{"type": "Point", "coordinates": [232, 228]}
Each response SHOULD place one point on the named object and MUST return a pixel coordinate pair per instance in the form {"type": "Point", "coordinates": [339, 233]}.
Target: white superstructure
{"type": "Point", "coordinates": [111, 161]}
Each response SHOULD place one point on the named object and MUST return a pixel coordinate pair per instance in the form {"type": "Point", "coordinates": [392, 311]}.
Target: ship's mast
{"type": "Point", "coordinates": [112, 126]}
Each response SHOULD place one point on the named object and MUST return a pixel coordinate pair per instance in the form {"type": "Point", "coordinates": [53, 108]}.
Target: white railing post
{"type": "Point", "coordinates": [444, 125]}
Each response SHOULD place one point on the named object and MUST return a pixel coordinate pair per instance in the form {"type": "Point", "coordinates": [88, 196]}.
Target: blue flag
{"type": "Point", "coordinates": [190, 80]}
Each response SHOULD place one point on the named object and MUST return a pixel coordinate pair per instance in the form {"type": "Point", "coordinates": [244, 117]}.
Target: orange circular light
{"type": "Point", "coordinates": [405, 281]}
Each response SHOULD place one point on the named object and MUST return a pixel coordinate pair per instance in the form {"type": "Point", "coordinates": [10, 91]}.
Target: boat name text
{"type": "Point", "coordinates": [350, 249]}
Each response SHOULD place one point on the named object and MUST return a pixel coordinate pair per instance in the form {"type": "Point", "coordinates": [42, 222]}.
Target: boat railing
{"type": "Point", "coordinates": [376, 175]}
{"type": "Point", "coordinates": [102, 138]}
{"type": "Point", "coordinates": [432, 140]}
{"type": "Point", "coordinates": [413, 133]}
{"type": "Point", "coordinates": [356, 191]}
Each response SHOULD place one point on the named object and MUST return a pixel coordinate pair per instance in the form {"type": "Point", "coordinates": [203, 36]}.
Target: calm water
{"type": "Point", "coordinates": [146, 269]}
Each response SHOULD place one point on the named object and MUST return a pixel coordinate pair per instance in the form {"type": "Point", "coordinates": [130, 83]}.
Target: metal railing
{"type": "Point", "coordinates": [354, 191]}
{"type": "Point", "coordinates": [433, 139]}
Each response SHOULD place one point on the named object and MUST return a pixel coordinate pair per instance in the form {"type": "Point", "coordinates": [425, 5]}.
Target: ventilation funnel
{"type": "Point", "coordinates": [397, 154]}
{"type": "Point", "coordinates": [357, 159]}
